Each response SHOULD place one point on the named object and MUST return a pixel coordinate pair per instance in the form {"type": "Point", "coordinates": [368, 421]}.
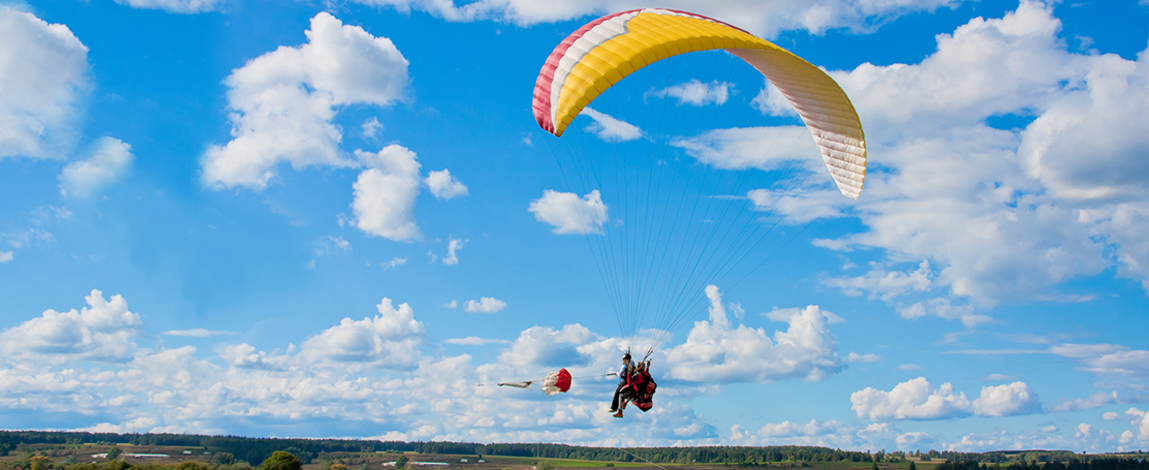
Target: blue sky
{"type": "Point", "coordinates": [340, 219]}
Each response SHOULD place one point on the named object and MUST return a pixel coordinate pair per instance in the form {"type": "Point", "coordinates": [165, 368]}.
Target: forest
{"type": "Point", "coordinates": [1095, 463]}
{"type": "Point", "coordinates": [255, 450]}
{"type": "Point", "coordinates": [248, 451]}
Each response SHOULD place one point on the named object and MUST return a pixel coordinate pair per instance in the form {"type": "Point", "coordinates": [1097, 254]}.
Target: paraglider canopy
{"type": "Point", "coordinates": [606, 50]}
{"type": "Point", "coordinates": [663, 227]}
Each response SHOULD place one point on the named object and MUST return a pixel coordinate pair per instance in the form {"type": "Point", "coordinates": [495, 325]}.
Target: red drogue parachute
{"type": "Point", "coordinates": [556, 382]}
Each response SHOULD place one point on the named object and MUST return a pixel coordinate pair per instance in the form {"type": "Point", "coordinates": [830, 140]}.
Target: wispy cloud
{"type": "Point", "coordinates": [200, 333]}
{"type": "Point", "coordinates": [855, 357]}
{"type": "Point", "coordinates": [610, 129]}
{"type": "Point", "coordinates": [475, 341]}
{"type": "Point", "coordinates": [328, 245]}
{"type": "Point", "coordinates": [997, 352]}
{"type": "Point", "coordinates": [396, 261]}
{"type": "Point", "coordinates": [696, 93]}
{"type": "Point", "coordinates": [453, 246]}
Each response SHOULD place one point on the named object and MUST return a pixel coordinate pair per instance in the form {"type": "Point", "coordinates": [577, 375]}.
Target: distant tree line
{"type": "Point", "coordinates": [714, 455]}
{"type": "Point", "coordinates": [253, 450]}
{"type": "Point", "coordinates": [1091, 463]}
{"type": "Point", "coordinates": [232, 450]}
{"type": "Point", "coordinates": [278, 460]}
{"type": "Point", "coordinates": [1002, 456]}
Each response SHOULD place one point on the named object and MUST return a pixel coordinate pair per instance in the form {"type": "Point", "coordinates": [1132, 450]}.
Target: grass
{"type": "Point", "coordinates": [557, 462]}
{"type": "Point", "coordinates": [795, 465]}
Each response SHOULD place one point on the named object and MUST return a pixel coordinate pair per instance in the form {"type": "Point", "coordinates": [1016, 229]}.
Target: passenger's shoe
{"type": "Point", "coordinates": [619, 414]}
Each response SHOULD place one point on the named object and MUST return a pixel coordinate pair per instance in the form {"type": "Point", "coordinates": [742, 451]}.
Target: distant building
{"type": "Point", "coordinates": [148, 456]}
{"type": "Point", "coordinates": [429, 464]}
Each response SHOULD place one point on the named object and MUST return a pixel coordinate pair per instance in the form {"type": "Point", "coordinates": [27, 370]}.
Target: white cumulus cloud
{"type": "Point", "coordinates": [885, 284]}
{"type": "Point", "coordinates": [384, 201]}
{"type": "Point", "coordinates": [831, 433]}
{"type": "Point", "coordinates": [813, 428]}
{"type": "Point", "coordinates": [283, 102]}
{"type": "Point", "coordinates": [717, 351]}
{"type": "Point", "coordinates": [539, 348]}
{"type": "Point", "coordinates": [772, 102]}
{"type": "Point", "coordinates": [389, 340]}
{"type": "Point", "coordinates": [568, 213]}
{"type": "Point", "coordinates": [914, 440]}
{"type": "Point", "coordinates": [1007, 400]}
{"type": "Point", "coordinates": [370, 374]}
{"type": "Point", "coordinates": [765, 19]}
{"type": "Point", "coordinates": [485, 305]}
{"type": "Point", "coordinates": [44, 69]}
{"type": "Point", "coordinates": [1104, 118]}
{"type": "Point", "coordinates": [372, 127]}
{"type": "Point", "coordinates": [101, 331]}
{"type": "Point", "coordinates": [1006, 215]}
{"type": "Point", "coordinates": [110, 159]}
{"type": "Point", "coordinates": [246, 356]}
{"type": "Point", "coordinates": [1140, 419]}
{"type": "Point", "coordinates": [444, 186]}
{"type": "Point", "coordinates": [915, 399]}
{"type": "Point", "coordinates": [945, 309]}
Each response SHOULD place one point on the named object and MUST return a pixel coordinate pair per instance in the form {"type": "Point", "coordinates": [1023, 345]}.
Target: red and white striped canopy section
{"type": "Point", "coordinates": [606, 50]}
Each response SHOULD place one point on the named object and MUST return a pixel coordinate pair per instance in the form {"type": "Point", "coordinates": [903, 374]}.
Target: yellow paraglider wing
{"type": "Point", "coordinates": [608, 49]}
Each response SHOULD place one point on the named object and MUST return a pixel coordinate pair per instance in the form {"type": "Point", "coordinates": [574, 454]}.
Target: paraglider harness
{"type": "Point", "coordinates": [640, 386]}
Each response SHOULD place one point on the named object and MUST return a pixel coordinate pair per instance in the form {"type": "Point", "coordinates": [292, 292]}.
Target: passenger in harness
{"type": "Point", "coordinates": [623, 381]}
{"type": "Point", "coordinates": [635, 384]}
